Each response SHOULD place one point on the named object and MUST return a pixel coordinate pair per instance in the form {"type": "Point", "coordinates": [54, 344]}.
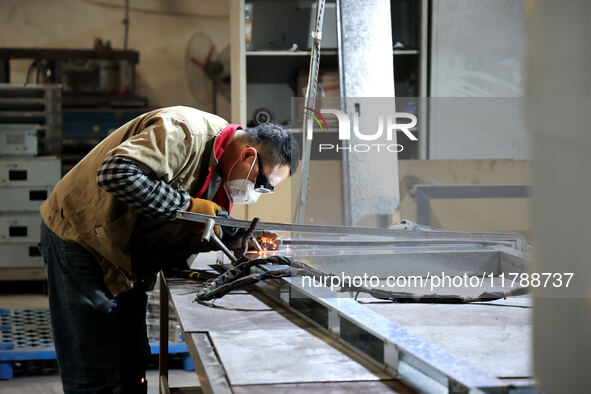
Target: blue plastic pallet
{"type": "Point", "coordinates": [25, 334]}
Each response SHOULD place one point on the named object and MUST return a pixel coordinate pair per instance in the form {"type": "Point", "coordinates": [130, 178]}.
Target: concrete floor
{"type": "Point", "coordinates": [50, 383]}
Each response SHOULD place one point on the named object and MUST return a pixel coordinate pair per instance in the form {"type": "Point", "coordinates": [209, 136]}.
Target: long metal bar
{"type": "Point", "coordinates": [344, 242]}
{"type": "Point", "coordinates": [310, 102]}
{"type": "Point", "coordinates": [62, 53]}
{"type": "Point", "coordinates": [347, 217]}
{"type": "Point", "coordinates": [424, 81]}
{"type": "Point", "coordinates": [212, 376]}
{"type": "Point", "coordinates": [518, 240]}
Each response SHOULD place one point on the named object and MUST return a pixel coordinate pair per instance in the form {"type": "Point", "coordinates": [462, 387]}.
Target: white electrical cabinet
{"type": "Point", "coordinates": [20, 256]}
{"type": "Point", "coordinates": [23, 199]}
{"type": "Point", "coordinates": [20, 227]}
{"type": "Point", "coordinates": [30, 166]}
{"type": "Point", "coordinates": [30, 171]}
{"type": "Point", "coordinates": [18, 140]}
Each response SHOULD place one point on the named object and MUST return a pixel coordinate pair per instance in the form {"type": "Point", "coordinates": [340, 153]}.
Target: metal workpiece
{"type": "Point", "coordinates": [460, 348]}
{"type": "Point", "coordinates": [517, 240]}
{"type": "Point", "coordinates": [406, 261]}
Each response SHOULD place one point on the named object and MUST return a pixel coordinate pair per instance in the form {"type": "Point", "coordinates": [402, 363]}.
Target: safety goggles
{"type": "Point", "coordinates": [261, 184]}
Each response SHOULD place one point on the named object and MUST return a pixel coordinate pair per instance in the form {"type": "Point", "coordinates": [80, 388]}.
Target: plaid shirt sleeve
{"type": "Point", "coordinates": [151, 197]}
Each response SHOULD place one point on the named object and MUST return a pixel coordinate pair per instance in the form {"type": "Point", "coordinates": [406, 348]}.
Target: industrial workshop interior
{"type": "Point", "coordinates": [295, 196]}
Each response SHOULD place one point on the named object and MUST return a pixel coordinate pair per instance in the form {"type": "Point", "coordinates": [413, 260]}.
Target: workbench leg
{"type": "Point", "coordinates": [6, 371]}
{"type": "Point", "coordinates": [188, 363]}
{"type": "Point", "coordinates": [163, 330]}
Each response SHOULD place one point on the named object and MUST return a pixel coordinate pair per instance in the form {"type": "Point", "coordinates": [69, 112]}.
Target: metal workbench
{"type": "Point", "coordinates": [287, 337]}
{"type": "Point", "coordinates": [451, 338]}
{"type": "Point", "coordinates": [247, 343]}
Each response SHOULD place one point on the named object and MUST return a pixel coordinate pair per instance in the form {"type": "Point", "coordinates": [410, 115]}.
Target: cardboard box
{"type": "Point", "coordinates": [328, 83]}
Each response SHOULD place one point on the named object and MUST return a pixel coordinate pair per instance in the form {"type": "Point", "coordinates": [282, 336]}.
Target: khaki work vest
{"type": "Point", "coordinates": [174, 144]}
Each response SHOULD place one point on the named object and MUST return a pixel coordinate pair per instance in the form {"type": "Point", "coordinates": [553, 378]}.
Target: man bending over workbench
{"type": "Point", "coordinates": [108, 228]}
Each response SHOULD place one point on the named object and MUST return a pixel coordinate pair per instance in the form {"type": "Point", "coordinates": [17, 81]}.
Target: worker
{"type": "Point", "coordinates": [108, 228]}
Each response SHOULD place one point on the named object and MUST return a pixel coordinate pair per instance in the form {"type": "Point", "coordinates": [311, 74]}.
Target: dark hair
{"type": "Point", "coordinates": [278, 145]}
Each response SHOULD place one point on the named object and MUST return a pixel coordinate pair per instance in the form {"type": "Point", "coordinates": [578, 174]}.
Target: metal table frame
{"type": "Point", "coordinates": [378, 340]}
{"type": "Point", "coordinates": [213, 375]}
{"type": "Point", "coordinates": [200, 349]}
{"type": "Point", "coordinates": [373, 337]}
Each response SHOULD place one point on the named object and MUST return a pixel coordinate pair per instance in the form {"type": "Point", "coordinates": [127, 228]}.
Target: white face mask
{"type": "Point", "coordinates": [241, 191]}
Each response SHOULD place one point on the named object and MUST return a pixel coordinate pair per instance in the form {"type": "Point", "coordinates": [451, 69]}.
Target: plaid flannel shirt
{"type": "Point", "coordinates": [150, 197]}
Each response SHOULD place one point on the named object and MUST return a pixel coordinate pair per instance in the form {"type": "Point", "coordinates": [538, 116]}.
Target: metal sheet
{"type": "Point", "coordinates": [287, 356]}
{"type": "Point", "coordinates": [236, 311]}
{"type": "Point", "coordinates": [380, 387]}
{"type": "Point", "coordinates": [495, 337]}
{"type": "Point", "coordinates": [488, 314]}
{"type": "Point", "coordinates": [504, 351]}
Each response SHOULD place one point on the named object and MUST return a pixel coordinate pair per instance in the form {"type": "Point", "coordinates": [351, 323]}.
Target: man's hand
{"type": "Point", "coordinates": [205, 207]}
{"type": "Point", "coordinates": [268, 240]}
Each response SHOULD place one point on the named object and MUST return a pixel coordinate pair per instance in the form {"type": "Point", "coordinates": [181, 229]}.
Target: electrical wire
{"type": "Point", "coordinates": [404, 297]}
{"type": "Point", "coordinates": [126, 25]}
{"type": "Point", "coordinates": [240, 276]}
{"type": "Point", "coordinates": [156, 12]}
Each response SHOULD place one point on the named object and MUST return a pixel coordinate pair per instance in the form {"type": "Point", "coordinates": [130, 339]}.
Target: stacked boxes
{"type": "Point", "coordinates": [30, 149]}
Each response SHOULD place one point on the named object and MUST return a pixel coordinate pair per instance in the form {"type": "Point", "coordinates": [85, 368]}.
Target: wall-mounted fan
{"type": "Point", "coordinates": [208, 73]}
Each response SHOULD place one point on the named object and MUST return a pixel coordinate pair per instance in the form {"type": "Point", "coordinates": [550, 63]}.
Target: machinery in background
{"type": "Point", "coordinates": [96, 77]}
{"type": "Point", "coordinates": [97, 89]}
{"type": "Point", "coordinates": [30, 150]}
{"type": "Point", "coordinates": [84, 128]}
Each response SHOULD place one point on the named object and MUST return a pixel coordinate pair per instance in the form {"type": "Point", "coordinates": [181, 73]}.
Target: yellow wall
{"type": "Point", "coordinates": [470, 214]}
{"type": "Point", "coordinates": [324, 204]}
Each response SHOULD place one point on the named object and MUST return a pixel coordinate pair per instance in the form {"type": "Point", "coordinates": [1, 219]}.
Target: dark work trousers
{"type": "Point", "coordinates": [100, 339]}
